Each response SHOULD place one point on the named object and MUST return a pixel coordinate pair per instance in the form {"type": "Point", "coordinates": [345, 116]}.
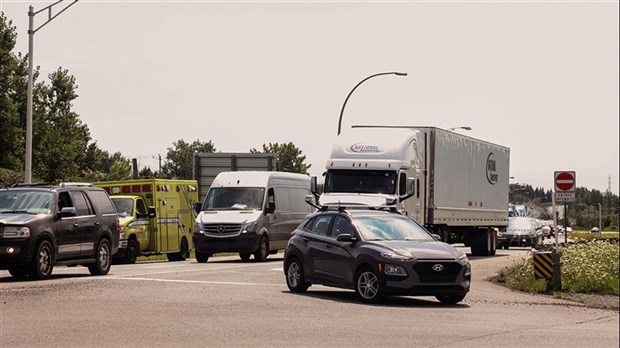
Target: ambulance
{"type": "Point", "coordinates": [156, 215]}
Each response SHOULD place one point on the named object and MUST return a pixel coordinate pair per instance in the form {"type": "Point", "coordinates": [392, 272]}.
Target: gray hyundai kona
{"type": "Point", "coordinates": [376, 253]}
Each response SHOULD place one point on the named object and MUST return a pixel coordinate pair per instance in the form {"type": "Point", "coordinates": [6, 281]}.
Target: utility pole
{"type": "Point", "coordinates": [31, 32]}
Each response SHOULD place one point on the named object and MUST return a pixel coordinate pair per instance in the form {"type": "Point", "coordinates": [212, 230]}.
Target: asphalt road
{"type": "Point", "coordinates": [230, 303]}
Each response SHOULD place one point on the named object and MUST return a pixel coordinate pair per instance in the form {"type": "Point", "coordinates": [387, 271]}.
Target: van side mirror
{"type": "Point", "coordinates": [197, 207]}
{"type": "Point", "coordinates": [271, 208]}
{"type": "Point", "coordinates": [152, 212]}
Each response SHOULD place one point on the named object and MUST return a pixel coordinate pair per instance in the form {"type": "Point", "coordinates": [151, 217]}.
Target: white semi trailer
{"type": "Point", "coordinates": [455, 185]}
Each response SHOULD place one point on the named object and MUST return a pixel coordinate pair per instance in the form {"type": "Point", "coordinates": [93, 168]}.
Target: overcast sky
{"type": "Point", "coordinates": [540, 77]}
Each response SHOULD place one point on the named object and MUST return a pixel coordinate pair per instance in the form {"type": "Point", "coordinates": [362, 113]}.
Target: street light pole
{"type": "Point", "coordinates": [31, 32]}
{"type": "Point", "coordinates": [354, 88]}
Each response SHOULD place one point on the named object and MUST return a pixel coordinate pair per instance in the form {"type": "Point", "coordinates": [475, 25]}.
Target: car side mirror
{"type": "Point", "coordinates": [346, 237]}
{"type": "Point", "coordinates": [66, 212]}
{"type": "Point", "coordinates": [152, 212]}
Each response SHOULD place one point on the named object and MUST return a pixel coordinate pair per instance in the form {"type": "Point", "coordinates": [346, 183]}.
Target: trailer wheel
{"type": "Point", "coordinates": [483, 242]}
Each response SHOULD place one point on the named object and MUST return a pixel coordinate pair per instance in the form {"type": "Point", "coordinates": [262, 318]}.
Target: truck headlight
{"type": "Point", "coordinates": [16, 232]}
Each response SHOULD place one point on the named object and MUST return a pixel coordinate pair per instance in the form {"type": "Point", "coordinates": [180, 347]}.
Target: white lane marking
{"type": "Point", "coordinates": [195, 281]}
{"type": "Point", "coordinates": [184, 271]}
{"type": "Point", "coordinates": [277, 269]}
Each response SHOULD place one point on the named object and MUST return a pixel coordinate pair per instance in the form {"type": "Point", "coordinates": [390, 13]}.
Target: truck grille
{"type": "Point", "coordinates": [220, 230]}
{"type": "Point", "coordinates": [428, 271]}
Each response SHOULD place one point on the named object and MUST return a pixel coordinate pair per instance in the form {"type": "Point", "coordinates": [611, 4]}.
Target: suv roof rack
{"type": "Point", "coordinates": [32, 184]}
{"type": "Point", "coordinates": [75, 184]}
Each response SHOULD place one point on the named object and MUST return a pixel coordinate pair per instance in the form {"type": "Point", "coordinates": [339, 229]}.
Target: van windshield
{"type": "Point", "coordinates": [234, 198]}
{"type": "Point", "coordinates": [360, 181]}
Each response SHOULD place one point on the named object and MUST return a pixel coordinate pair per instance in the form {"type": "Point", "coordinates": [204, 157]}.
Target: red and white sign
{"type": "Point", "coordinates": [564, 181]}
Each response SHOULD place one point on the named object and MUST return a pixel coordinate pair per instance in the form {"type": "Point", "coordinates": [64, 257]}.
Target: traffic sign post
{"type": "Point", "coordinates": [565, 183]}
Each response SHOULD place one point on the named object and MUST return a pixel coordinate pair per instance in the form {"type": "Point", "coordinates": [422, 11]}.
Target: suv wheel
{"type": "Point", "coordinates": [367, 286]}
{"type": "Point", "coordinates": [263, 250]}
{"type": "Point", "coordinates": [43, 261]}
{"type": "Point", "coordinates": [295, 279]}
{"type": "Point", "coordinates": [103, 259]}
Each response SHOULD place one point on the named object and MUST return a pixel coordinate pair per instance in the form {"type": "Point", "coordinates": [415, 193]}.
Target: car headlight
{"type": "Point", "coordinates": [16, 232]}
{"type": "Point", "coordinates": [395, 256]}
{"type": "Point", "coordinates": [395, 270]}
{"type": "Point", "coordinates": [249, 227]}
{"type": "Point", "coordinates": [461, 257]}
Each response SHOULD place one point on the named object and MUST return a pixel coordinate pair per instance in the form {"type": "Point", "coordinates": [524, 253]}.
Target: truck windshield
{"type": "Point", "coordinates": [124, 206]}
{"type": "Point", "coordinates": [234, 198]}
{"type": "Point", "coordinates": [30, 202]}
{"type": "Point", "coordinates": [360, 181]}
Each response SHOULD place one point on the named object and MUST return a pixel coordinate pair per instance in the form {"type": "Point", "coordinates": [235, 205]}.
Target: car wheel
{"type": "Point", "coordinates": [367, 286]}
{"type": "Point", "coordinates": [18, 272]}
{"type": "Point", "coordinates": [450, 299]}
{"type": "Point", "coordinates": [263, 250]}
{"type": "Point", "coordinates": [103, 259]}
{"type": "Point", "coordinates": [295, 279]}
{"type": "Point", "coordinates": [244, 256]}
{"type": "Point", "coordinates": [201, 257]}
{"type": "Point", "coordinates": [132, 252]}
{"type": "Point", "coordinates": [43, 261]}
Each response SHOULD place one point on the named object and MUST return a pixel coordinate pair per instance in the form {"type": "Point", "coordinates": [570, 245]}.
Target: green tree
{"type": "Point", "coordinates": [13, 73]}
{"type": "Point", "coordinates": [120, 170]}
{"type": "Point", "coordinates": [179, 162]}
{"type": "Point", "coordinates": [60, 140]}
{"type": "Point", "coordinates": [289, 158]}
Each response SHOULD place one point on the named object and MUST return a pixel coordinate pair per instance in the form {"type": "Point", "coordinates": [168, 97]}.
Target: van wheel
{"type": "Point", "coordinates": [263, 250]}
{"type": "Point", "coordinates": [42, 262]}
{"type": "Point", "coordinates": [244, 256]}
{"type": "Point", "coordinates": [201, 257]}
{"type": "Point", "coordinates": [103, 259]}
{"type": "Point", "coordinates": [18, 272]}
{"type": "Point", "coordinates": [132, 252]}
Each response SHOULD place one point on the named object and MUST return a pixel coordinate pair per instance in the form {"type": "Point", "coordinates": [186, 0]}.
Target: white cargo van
{"type": "Point", "coordinates": [250, 213]}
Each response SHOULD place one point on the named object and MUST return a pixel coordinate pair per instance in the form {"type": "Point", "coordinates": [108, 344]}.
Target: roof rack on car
{"type": "Point", "coordinates": [343, 207]}
{"type": "Point", "coordinates": [32, 184]}
{"type": "Point", "coordinates": [75, 184]}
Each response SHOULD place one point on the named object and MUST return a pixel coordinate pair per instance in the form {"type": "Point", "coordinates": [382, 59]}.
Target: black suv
{"type": "Point", "coordinates": [42, 226]}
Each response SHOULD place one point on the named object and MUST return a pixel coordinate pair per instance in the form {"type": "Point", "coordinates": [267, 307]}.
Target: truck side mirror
{"type": "Point", "coordinates": [313, 185]}
{"type": "Point", "coordinates": [152, 212]}
{"type": "Point", "coordinates": [197, 207]}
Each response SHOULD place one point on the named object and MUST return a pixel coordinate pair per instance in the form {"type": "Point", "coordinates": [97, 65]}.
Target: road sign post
{"type": "Point", "coordinates": [565, 183]}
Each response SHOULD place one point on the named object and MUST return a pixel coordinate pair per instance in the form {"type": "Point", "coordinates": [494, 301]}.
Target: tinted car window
{"type": "Point", "coordinates": [102, 201]}
{"type": "Point", "coordinates": [341, 226]}
{"type": "Point", "coordinates": [319, 225]}
{"type": "Point", "coordinates": [81, 204]}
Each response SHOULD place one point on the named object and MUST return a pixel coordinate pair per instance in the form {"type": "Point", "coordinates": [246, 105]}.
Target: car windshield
{"type": "Point", "coordinates": [124, 206]}
{"type": "Point", "coordinates": [390, 227]}
{"type": "Point", "coordinates": [22, 201]}
{"type": "Point", "coordinates": [234, 198]}
{"type": "Point", "coordinates": [360, 181]}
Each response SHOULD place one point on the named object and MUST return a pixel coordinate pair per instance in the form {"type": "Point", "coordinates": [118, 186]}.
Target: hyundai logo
{"type": "Point", "coordinates": [437, 267]}
{"type": "Point", "coordinates": [220, 228]}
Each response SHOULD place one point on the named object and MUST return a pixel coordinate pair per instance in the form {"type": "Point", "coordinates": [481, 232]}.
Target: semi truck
{"type": "Point", "coordinates": [208, 165]}
{"type": "Point", "coordinates": [156, 217]}
{"type": "Point", "coordinates": [454, 185]}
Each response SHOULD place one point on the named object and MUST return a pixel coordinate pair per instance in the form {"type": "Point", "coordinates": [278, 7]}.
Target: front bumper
{"type": "Point", "coordinates": [15, 252]}
{"type": "Point", "coordinates": [421, 280]}
{"type": "Point", "coordinates": [243, 243]}
{"type": "Point", "coordinates": [122, 248]}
